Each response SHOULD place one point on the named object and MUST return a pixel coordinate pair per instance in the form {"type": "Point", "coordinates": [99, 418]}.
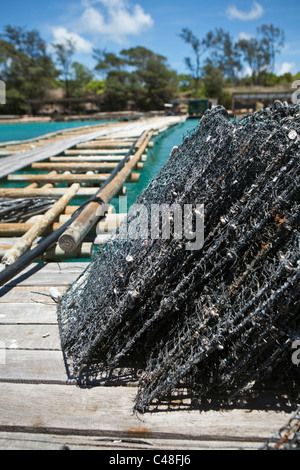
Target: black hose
{"type": "Point", "coordinates": [11, 271]}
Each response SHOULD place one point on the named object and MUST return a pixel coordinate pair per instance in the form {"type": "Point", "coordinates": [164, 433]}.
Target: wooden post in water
{"type": "Point", "coordinates": [76, 232]}
{"type": "Point", "coordinates": [37, 229]}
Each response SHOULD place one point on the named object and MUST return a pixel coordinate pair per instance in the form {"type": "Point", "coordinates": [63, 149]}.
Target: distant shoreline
{"type": "Point", "coordinates": [116, 115]}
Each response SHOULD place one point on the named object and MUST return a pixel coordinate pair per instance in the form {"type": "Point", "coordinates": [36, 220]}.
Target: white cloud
{"type": "Point", "coordinates": [245, 36]}
{"type": "Point", "coordinates": [61, 34]}
{"type": "Point", "coordinates": [256, 12]}
{"type": "Point", "coordinates": [115, 19]}
{"type": "Point", "coordinates": [246, 72]}
{"type": "Point", "coordinates": [286, 67]}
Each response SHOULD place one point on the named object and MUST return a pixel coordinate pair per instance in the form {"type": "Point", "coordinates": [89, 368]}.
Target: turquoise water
{"type": "Point", "coordinates": [12, 132]}
{"type": "Point", "coordinates": [157, 157]}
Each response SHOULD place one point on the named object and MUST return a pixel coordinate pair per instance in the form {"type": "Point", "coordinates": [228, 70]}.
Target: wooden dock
{"type": "Point", "coordinates": [87, 158]}
{"type": "Point", "coordinates": [41, 407]}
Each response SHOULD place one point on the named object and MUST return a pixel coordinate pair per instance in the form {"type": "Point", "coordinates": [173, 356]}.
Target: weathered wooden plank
{"type": "Point", "coordinates": [44, 280]}
{"type": "Point", "coordinates": [30, 337]}
{"type": "Point", "coordinates": [56, 268]}
{"type": "Point", "coordinates": [29, 366]}
{"type": "Point", "coordinates": [45, 274]}
{"type": "Point", "coordinates": [17, 313]}
{"type": "Point", "coordinates": [108, 412]}
{"type": "Point", "coordinates": [34, 441]}
{"type": "Point", "coordinates": [25, 294]}
{"type": "Point", "coordinates": [48, 365]}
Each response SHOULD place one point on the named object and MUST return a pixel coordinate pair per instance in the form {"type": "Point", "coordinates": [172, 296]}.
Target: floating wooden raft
{"type": "Point", "coordinates": [94, 157]}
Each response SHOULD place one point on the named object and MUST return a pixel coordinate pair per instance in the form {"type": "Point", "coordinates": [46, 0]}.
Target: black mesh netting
{"type": "Point", "coordinates": [220, 319]}
{"type": "Point", "coordinates": [288, 437]}
{"type": "Point", "coordinates": [20, 210]}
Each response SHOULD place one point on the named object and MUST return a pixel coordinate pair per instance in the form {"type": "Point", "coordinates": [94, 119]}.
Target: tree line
{"type": "Point", "coordinates": [137, 77]}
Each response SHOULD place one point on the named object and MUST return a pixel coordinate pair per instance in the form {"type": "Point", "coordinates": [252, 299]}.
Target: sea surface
{"type": "Point", "coordinates": [24, 131]}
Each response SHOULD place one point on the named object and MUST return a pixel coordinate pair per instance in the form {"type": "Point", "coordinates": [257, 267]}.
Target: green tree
{"type": "Point", "coordinates": [159, 82]}
{"type": "Point", "coordinates": [107, 61]}
{"type": "Point", "coordinates": [64, 53]}
{"type": "Point", "coordinates": [273, 40]}
{"type": "Point", "coordinates": [214, 85]}
{"type": "Point", "coordinates": [256, 57]}
{"type": "Point", "coordinates": [119, 88]}
{"type": "Point", "coordinates": [213, 80]}
{"type": "Point", "coordinates": [224, 54]}
{"type": "Point", "coordinates": [198, 47]}
{"type": "Point", "coordinates": [155, 83]}
{"type": "Point", "coordinates": [96, 87]}
{"type": "Point", "coordinates": [80, 76]}
{"type": "Point", "coordinates": [260, 52]}
{"type": "Point", "coordinates": [137, 76]}
{"type": "Point", "coordinates": [25, 66]}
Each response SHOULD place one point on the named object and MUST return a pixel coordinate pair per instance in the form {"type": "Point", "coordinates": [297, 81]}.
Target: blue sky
{"type": "Point", "coordinates": [156, 24]}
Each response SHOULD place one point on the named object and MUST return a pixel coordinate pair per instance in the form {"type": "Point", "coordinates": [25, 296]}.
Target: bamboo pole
{"type": "Point", "coordinates": [20, 229]}
{"type": "Point", "coordinates": [69, 210]}
{"type": "Point", "coordinates": [104, 144]}
{"type": "Point", "coordinates": [56, 253]}
{"type": "Point", "coordinates": [14, 229]}
{"type": "Point", "coordinates": [84, 166]}
{"type": "Point", "coordinates": [91, 158]}
{"type": "Point", "coordinates": [55, 193]}
{"type": "Point", "coordinates": [38, 228]}
{"type": "Point", "coordinates": [121, 151]}
{"type": "Point", "coordinates": [72, 209]}
{"type": "Point", "coordinates": [47, 185]}
{"type": "Point", "coordinates": [107, 225]}
{"type": "Point", "coordinates": [76, 232]}
{"type": "Point", "coordinates": [68, 178]}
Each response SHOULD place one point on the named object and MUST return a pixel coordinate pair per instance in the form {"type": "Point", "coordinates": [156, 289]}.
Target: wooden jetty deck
{"type": "Point", "coordinates": [40, 406]}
